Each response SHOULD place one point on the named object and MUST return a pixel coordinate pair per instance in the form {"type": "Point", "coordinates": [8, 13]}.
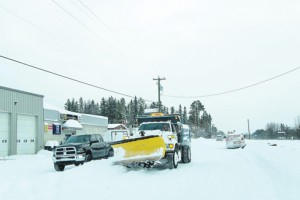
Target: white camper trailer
{"type": "Point", "coordinates": [116, 132]}
{"type": "Point", "coordinates": [235, 140]}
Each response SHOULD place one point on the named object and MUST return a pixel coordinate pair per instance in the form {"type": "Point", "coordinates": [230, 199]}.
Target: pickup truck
{"type": "Point", "coordinates": [78, 149]}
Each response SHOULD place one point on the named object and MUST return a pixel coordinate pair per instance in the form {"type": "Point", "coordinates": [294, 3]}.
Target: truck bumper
{"type": "Point", "coordinates": [68, 160]}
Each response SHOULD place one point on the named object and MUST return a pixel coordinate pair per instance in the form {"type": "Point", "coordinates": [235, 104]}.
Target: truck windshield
{"type": "Point", "coordinates": [155, 126]}
{"type": "Point", "coordinates": [78, 139]}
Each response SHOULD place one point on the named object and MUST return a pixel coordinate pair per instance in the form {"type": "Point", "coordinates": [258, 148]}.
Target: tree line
{"type": "Point", "coordinates": [199, 120]}
{"type": "Point", "coordinates": [278, 131]}
{"type": "Point", "coordinates": [120, 111]}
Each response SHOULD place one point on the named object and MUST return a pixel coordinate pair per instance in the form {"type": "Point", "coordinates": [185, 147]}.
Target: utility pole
{"type": "Point", "coordinates": [248, 128]}
{"type": "Point", "coordinates": [158, 84]}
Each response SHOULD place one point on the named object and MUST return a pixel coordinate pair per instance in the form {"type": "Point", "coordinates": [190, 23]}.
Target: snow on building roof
{"type": "Point", "coordinates": [95, 116]}
{"type": "Point", "coordinates": [82, 118]}
{"type": "Point", "coordinates": [72, 124]}
{"type": "Point", "coordinates": [60, 110]}
{"type": "Point", "coordinates": [112, 126]}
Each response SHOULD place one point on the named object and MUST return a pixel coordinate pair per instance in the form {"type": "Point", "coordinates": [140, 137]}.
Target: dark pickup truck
{"type": "Point", "coordinates": [78, 149]}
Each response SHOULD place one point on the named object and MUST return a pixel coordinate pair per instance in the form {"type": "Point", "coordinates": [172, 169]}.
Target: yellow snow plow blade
{"type": "Point", "coordinates": [143, 149]}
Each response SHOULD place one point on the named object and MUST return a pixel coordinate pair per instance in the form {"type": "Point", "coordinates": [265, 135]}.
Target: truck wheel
{"type": "Point", "coordinates": [186, 154]}
{"type": "Point", "coordinates": [111, 152]}
{"type": "Point", "coordinates": [170, 158]}
{"type": "Point", "coordinates": [189, 155]}
{"type": "Point", "coordinates": [88, 157]}
{"type": "Point", "coordinates": [59, 168]}
{"type": "Point", "coordinates": [173, 160]}
{"type": "Point", "coordinates": [176, 158]}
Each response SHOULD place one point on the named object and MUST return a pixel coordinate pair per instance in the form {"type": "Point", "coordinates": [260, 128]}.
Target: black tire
{"type": "Point", "coordinates": [173, 160]}
{"type": "Point", "coordinates": [186, 154]}
{"type": "Point", "coordinates": [88, 157]}
{"type": "Point", "coordinates": [111, 152]}
{"type": "Point", "coordinates": [170, 163]}
{"type": "Point", "coordinates": [189, 155]}
{"type": "Point", "coordinates": [59, 168]}
{"type": "Point", "coordinates": [78, 163]}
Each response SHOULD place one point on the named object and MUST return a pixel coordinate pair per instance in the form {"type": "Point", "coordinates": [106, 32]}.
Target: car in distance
{"type": "Point", "coordinates": [50, 145]}
{"type": "Point", "coordinates": [78, 149]}
{"type": "Point", "coordinates": [219, 137]}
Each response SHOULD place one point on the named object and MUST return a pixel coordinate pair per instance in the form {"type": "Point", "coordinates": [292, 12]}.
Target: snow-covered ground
{"type": "Point", "coordinates": [259, 171]}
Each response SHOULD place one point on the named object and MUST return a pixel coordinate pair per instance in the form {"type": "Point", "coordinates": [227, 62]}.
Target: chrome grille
{"type": "Point", "coordinates": [65, 151]}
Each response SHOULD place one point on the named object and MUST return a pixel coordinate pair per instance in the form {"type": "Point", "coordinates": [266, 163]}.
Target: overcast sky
{"type": "Point", "coordinates": [200, 47]}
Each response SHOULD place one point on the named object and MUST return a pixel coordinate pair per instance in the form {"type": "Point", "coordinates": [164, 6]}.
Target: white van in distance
{"type": "Point", "coordinates": [235, 140]}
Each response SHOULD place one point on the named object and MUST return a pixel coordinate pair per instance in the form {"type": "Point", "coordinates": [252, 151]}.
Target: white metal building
{"type": "Point", "coordinates": [21, 122]}
{"type": "Point", "coordinates": [60, 123]}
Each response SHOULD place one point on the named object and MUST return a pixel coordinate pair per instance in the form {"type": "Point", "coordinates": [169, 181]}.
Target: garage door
{"type": "Point", "coordinates": [26, 134]}
{"type": "Point", "coordinates": [4, 133]}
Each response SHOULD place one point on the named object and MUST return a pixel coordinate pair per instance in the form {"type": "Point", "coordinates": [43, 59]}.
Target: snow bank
{"type": "Point", "coordinates": [259, 171]}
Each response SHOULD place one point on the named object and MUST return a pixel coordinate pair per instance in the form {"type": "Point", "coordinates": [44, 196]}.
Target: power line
{"type": "Point", "coordinates": [102, 23]}
{"type": "Point", "coordinates": [96, 21]}
{"type": "Point", "coordinates": [56, 37]}
{"type": "Point", "coordinates": [76, 19]}
{"type": "Point", "coordinates": [235, 90]}
{"type": "Point", "coordinates": [69, 78]}
{"type": "Point", "coordinates": [43, 30]}
{"type": "Point", "coordinates": [90, 30]}
{"type": "Point", "coordinates": [98, 18]}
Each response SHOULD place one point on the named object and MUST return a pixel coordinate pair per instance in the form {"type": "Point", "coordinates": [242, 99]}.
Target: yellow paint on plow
{"type": "Point", "coordinates": [142, 147]}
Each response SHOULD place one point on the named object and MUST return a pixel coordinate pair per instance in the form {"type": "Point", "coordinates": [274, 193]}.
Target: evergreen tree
{"type": "Point", "coordinates": [111, 109]}
{"type": "Point", "coordinates": [93, 109]}
{"type": "Point", "coordinates": [103, 107]}
{"type": "Point", "coordinates": [88, 109]}
{"type": "Point", "coordinates": [81, 105]}
{"type": "Point", "coordinates": [172, 110]}
{"type": "Point", "coordinates": [118, 111]}
{"type": "Point", "coordinates": [180, 110]}
{"type": "Point", "coordinates": [206, 123]}
{"type": "Point", "coordinates": [97, 109]}
{"type": "Point", "coordinates": [164, 109]}
{"type": "Point", "coordinates": [123, 110]}
{"type": "Point", "coordinates": [141, 106]}
{"type": "Point", "coordinates": [68, 105]}
{"type": "Point", "coordinates": [131, 113]}
{"type": "Point", "coordinates": [74, 105]}
{"type": "Point", "coordinates": [154, 105]}
{"type": "Point", "coordinates": [297, 127]}
{"type": "Point", "coordinates": [194, 114]}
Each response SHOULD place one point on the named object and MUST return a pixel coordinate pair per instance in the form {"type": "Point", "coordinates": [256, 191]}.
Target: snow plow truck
{"type": "Point", "coordinates": [163, 141]}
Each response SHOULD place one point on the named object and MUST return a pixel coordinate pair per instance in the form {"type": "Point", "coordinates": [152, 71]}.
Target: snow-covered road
{"type": "Point", "coordinates": [259, 171]}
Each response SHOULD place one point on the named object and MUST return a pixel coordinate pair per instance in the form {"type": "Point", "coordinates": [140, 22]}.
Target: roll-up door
{"type": "Point", "coordinates": [4, 133]}
{"type": "Point", "coordinates": [26, 134]}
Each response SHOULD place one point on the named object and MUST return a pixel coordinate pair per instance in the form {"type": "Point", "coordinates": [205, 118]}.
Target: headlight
{"type": "Point", "coordinates": [80, 150]}
{"type": "Point", "coordinates": [170, 146]}
{"type": "Point", "coordinates": [171, 136]}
